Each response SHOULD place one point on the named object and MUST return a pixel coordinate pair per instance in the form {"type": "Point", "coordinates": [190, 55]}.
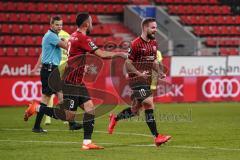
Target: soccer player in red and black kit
{"type": "Point", "coordinates": [79, 46]}
{"type": "Point", "coordinates": [140, 63]}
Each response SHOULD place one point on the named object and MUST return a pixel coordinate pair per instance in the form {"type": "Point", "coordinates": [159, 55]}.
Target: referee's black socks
{"type": "Point", "coordinates": [151, 122]}
{"type": "Point", "coordinates": [39, 117]}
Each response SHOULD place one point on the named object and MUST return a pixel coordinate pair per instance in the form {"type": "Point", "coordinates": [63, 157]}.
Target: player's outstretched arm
{"type": "Point", "coordinates": [107, 54]}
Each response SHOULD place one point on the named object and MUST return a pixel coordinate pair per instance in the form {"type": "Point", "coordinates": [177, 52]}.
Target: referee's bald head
{"type": "Point", "coordinates": [81, 18]}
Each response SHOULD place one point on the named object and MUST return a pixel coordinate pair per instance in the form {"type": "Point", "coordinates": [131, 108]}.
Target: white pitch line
{"type": "Point", "coordinates": [119, 133]}
{"type": "Point", "coordinates": [50, 142]}
{"type": "Point", "coordinates": [58, 130]}
{"type": "Point", "coordinates": [199, 147]}
{"type": "Point", "coordinates": [136, 145]}
{"type": "Point", "coordinates": [127, 133]}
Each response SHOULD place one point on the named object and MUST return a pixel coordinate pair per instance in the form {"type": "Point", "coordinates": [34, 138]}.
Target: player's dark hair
{"type": "Point", "coordinates": [55, 18]}
{"type": "Point", "coordinates": [81, 17]}
{"type": "Point", "coordinates": [146, 21]}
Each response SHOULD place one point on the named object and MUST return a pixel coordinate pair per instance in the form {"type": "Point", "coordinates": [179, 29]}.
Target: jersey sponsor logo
{"type": "Point", "coordinates": [26, 91]}
{"type": "Point", "coordinates": [92, 45]}
{"type": "Point", "coordinates": [149, 58]}
{"type": "Point", "coordinates": [217, 88]}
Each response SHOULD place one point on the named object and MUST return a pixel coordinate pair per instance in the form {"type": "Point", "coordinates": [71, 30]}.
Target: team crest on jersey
{"type": "Point", "coordinates": [92, 45]}
{"type": "Point", "coordinates": [154, 48]}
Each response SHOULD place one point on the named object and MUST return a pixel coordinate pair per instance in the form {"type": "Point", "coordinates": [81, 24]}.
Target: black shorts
{"type": "Point", "coordinates": [140, 91]}
{"type": "Point", "coordinates": [45, 73]}
{"type": "Point", "coordinates": [78, 100]}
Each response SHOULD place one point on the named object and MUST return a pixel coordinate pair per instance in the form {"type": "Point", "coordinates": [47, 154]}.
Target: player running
{"type": "Point", "coordinates": [79, 45]}
{"type": "Point", "coordinates": [142, 59]}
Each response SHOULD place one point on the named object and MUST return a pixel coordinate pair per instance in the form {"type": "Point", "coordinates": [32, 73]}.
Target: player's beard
{"type": "Point", "coordinates": [151, 36]}
{"type": "Point", "coordinates": [88, 32]}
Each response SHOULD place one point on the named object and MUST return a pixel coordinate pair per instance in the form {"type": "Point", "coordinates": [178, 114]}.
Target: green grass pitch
{"type": "Point", "coordinates": [199, 132]}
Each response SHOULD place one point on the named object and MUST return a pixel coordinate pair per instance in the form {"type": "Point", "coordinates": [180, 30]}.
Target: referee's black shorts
{"type": "Point", "coordinates": [45, 73]}
{"type": "Point", "coordinates": [140, 92]}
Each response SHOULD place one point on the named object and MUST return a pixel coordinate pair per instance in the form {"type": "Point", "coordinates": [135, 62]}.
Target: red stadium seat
{"type": "Point", "coordinates": [90, 8]}
{"type": "Point", "coordinates": [80, 8]}
{"type": "Point", "coordinates": [30, 40]}
{"type": "Point", "coordinates": [11, 6]}
{"type": "Point", "coordinates": [35, 18]}
{"type": "Point", "coordinates": [10, 51]}
{"type": "Point", "coordinates": [211, 42]}
{"type": "Point", "coordinates": [37, 29]}
{"type": "Point", "coordinates": [51, 7]}
{"type": "Point", "coordinates": [45, 28]}
{"type": "Point", "coordinates": [71, 8]}
{"type": "Point", "coordinates": [237, 19]}
{"type": "Point", "coordinates": [26, 29]}
{"type": "Point", "coordinates": [23, 18]}
{"type": "Point", "coordinates": [224, 30]}
{"type": "Point", "coordinates": [206, 30]}
{"type": "Point", "coordinates": [8, 40]}
{"type": "Point", "coordinates": [65, 18]}
{"type": "Point", "coordinates": [16, 29]}
{"type": "Point", "coordinates": [118, 8]}
{"type": "Point", "coordinates": [61, 8]}
{"type": "Point", "coordinates": [229, 51]}
{"type": "Point", "coordinates": [39, 40]}
{"type": "Point", "coordinates": [44, 18]}
{"type": "Point", "coordinates": [21, 51]}
{"type": "Point", "coordinates": [31, 7]}
{"type": "Point", "coordinates": [100, 8]}
{"type": "Point", "coordinates": [6, 28]}
{"type": "Point", "coordinates": [4, 17]}
{"type": "Point", "coordinates": [227, 20]}
{"type": "Point", "coordinates": [32, 51]}
{"type": "Point", "coordinates": [2, 51]}
{"type": "Point", "coordinates": [201, 20]}
{"type": "Point", "coordinates": [21, 6]}
{"type": "Point", "coordinates": [41, 7]}
{"type": "Point", "coordinates": [2, 6]}
{"type": "Point", "coordinates": [225, 10]}
{"type": "Point", "coordinates": [19, 40]}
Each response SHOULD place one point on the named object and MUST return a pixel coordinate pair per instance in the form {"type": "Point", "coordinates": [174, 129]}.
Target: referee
{"type": "Point", "coordinates": [50, 58]}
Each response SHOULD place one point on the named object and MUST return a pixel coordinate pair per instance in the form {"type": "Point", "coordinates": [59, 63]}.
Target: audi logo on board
{"type": "Point", "coordinates": [221, 88]}
{"type": "Point", "coordinates": [26, 91]}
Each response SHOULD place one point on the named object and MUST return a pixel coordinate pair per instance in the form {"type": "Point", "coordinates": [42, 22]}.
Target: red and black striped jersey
{"type": "Point", "coordinates": [79, 45]}
{"type": "Point", "coordinates": [142, 54]}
